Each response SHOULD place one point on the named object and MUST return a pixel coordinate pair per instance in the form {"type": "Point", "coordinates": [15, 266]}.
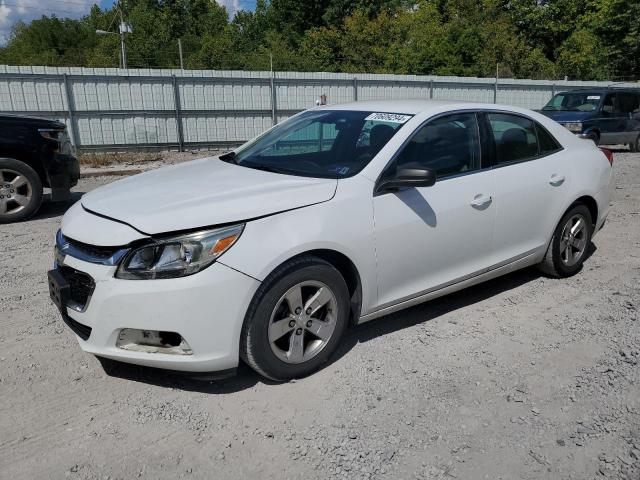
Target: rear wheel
{"type": "Point", "coordinates": [20, 190]}
{"type": "Point", "coordinates": [571, 239]}
{"type": "Point", "coordinates": [296, 320]}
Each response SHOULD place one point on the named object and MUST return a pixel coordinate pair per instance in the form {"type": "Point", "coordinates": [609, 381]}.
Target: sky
{"type": "Point", "coordinates": [12, 11]}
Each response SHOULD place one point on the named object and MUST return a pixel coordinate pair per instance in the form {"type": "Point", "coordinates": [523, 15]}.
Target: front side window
{"type": "Point", "coordinates": [321, 143]}
{"type": "Point", "coordinates": [514, 136]}
{"type": "Point", "coordinates": [448, 145]}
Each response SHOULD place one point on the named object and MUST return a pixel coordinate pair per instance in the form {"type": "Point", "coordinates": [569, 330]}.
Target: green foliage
{"type": "Point", "coordinates": [590, 39]}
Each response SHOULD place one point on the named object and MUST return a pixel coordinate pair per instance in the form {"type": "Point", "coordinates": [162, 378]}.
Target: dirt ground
{"type": "Point", "coordinates": [523, 377]}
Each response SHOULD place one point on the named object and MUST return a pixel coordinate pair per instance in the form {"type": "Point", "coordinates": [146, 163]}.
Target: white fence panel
{"type": "Point", "coordinates": [108, 108]}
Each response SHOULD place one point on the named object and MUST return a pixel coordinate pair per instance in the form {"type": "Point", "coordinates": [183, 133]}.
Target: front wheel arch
{"type": "Point", "coordinates": [344, 265]}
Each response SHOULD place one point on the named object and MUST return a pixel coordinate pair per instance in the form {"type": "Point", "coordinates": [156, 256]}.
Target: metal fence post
{"type": "Point", "coordinates": [553, 89]}
{"type": "Point", "coordinates": [274, 118]}
{"type": "Point", "coordinates": [71, 109]}
{"type": "Point", "coordinates": [176, 101]}
{"type": "Point", "coordinates": [431, 89]}
{"type": "Point", "coordinates": [355, 89]}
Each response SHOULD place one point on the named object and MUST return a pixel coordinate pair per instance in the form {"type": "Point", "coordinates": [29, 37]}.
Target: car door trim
{"type": "Point", "coordinates": [519, 261]}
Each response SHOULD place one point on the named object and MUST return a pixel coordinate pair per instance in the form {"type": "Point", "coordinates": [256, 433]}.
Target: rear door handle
{"type": "Point", "coordinates": [481, 201]}
{"type": "Point", "coordinates": [556, 180]}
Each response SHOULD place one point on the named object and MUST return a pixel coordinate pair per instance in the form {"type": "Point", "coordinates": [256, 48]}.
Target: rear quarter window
{"type": "Point", "coordinates": [548, 144]}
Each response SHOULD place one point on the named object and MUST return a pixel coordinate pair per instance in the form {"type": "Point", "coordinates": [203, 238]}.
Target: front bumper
{"type": "Point", "coordinates": [63, 172]}
{"type": "Point", "coordinates": [207, 309]}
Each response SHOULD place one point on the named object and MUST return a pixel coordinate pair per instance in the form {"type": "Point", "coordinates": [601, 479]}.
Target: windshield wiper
{"type": "Point", "coordinates": [269, 168]}
{"type": "Point", "coordinates": [229, 157]}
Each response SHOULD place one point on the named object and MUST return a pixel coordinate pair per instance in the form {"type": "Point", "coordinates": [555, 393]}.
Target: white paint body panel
{"type": "Point", "coordinates": [201, 193]}
{"type": "Point", "coordinates": [407, 246]}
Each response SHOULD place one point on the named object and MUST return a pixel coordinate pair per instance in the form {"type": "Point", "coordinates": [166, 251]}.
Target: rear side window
{"type": "Point", "coordinates": [515, 137]}
{"type": "Point", "coordinates": [547, 143]}
{"type": "Point", "coordinates": [448, 145]}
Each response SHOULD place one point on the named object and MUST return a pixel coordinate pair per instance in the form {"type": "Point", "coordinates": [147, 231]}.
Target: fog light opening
{"type": "Point", "coordinates": [153, 341]}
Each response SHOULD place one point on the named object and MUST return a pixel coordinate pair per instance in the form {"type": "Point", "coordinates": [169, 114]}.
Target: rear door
{"type": "Point", "coordinates": [613, 121]}
{"type": "Point", "coordinates": [629, 105]}
{"type": "Point", "coordinates": [530, 184]}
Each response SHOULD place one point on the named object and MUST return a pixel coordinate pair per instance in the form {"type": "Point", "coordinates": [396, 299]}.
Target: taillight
{"type": "Point", "coordinates": [608, 153]}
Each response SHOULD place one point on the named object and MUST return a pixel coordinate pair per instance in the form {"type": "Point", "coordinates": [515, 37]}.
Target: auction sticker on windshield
{"type": "Point", "coordinates": [389, 117]}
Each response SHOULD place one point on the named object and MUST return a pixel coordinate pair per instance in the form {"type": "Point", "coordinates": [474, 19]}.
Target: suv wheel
{"type": "Point", "coordinates": [635, 145]}
{"type": "Point", "coordinates": [594, 137]}
{"type": "Point", "coordinates": [296, 320]}
{"type": "Point", "coordinates": [20, 190]}
{"type": "Point", "coordinates": [568, 248]}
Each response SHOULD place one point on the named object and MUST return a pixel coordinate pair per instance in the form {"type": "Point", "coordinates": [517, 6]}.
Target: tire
{"type": "Point", "coordinates": [556, 262]}
{"type": "Point", "coordinates": [20, 191]}
{"type": "Point", "coordinates": [594, 137]}
{"type": "Point", "coordinates": [278, 338]}
{"type": "Point", "coordinates": [635, 145]}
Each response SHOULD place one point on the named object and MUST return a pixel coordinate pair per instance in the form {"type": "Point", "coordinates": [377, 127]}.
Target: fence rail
{"type": "Point", "coordinates": [112, 109]}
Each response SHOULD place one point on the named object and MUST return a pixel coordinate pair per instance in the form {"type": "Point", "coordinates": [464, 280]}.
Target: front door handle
{"type": "Point", "coordinates": [481, 201]}
{"type": "Point", "coordinates": [556, 180]}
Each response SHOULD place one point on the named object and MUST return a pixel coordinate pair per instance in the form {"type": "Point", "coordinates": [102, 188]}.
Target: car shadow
{"type": "Point", "coordinates": [51, 209]}
{"type": "Point", "coordinates": [246, 378]}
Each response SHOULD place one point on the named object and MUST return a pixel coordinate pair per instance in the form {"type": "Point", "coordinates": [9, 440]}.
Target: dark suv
{"type": "Point", "coordinates": [34, 153]}
{"type": "Point", "coordinates": [608, 116]}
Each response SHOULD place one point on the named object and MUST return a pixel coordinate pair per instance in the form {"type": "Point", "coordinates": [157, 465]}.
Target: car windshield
{"type": "Point", "coordinates": [321, 143]}
{"type": "Point", "coordinates": [576, 101]}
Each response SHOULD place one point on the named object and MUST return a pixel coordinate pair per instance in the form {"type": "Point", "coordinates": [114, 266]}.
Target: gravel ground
{"type": "Point", "coordinates": [523, 377]}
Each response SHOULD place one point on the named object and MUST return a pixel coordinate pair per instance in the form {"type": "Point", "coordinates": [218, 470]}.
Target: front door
{"type": "Point", "coordinates": [427, 238]}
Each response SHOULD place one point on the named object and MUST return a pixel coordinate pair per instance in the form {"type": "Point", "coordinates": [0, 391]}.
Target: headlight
{"type": "Point", "coordinates": [575, 127]}
{"type": "Point", "coordinates": [178, 256]}
{"type": "Point", "coordinates": [61, 137]}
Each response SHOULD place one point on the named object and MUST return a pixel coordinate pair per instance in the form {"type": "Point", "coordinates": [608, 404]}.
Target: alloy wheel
{"type": "Point", "coordinates": [15, 192]}
{"type": "Point", "coordinates": [303, 321]}
{"type": "Point", "coordinates": [573, 240]}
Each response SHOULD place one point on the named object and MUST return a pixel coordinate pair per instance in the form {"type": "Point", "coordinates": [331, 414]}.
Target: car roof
{"type": "Point", "coordinates": [602, 89]}
{"type": "Point", "coordinates": [419, 106]}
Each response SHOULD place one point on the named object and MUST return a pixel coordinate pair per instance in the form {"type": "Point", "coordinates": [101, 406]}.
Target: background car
{"type": "Point", "coordinates": [608, 116]}
{"type": "Point", "coordinates": [34, 153]}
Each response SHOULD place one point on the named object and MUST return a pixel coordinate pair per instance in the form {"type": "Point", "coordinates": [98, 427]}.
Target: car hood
{"type": "Point", "coordinates": [563, 116]}
{"type": "Point", "coordinates": [203, 193]}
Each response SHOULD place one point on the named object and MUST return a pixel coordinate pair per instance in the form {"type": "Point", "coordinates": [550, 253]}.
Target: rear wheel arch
{"type": "Point", "coordinates": [588, 202]}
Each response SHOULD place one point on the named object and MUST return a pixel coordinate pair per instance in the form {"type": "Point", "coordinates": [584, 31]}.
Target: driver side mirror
{"type": "Point", "coordinates": [407, 178]}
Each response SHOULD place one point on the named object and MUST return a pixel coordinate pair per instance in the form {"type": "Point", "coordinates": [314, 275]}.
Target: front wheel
{"type": "Point", "coordinates": [296, 320]}
{"type": "Point", "coordinates": [571, 239]}
{"type": "Point", "coordinates": [20, 191]}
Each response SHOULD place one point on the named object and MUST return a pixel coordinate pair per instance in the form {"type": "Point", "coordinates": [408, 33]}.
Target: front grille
{"type": "Point", "coordinates": [79, 329]}
{"type": "Point", "coordinates": [101, 253]}
{"type": "Point", "coordinates": [81, 285]}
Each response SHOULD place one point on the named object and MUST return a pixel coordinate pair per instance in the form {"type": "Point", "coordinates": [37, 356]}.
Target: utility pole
{"type": "Point", "coordinates": [495, 85]}
{"type": "Point", "coordinates": [123, 29]}
{"type": "Point", "coordinates": [180, 52]}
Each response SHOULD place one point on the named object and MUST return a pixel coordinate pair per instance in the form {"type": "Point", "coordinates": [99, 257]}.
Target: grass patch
{"type": "Point", "coordinates": [98, 160]}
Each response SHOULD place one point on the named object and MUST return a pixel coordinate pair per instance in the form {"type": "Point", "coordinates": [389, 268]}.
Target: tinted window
{"type": "Point", "coordinates": [628, 102]}
{"type": "Point", "coordinates": [547, 143]}
{"type": "Point", "coordinates": [448, 145]}
{"type": "Point", "coordinates": [322, 143]}
{"type": "Point", "coordinates": [611, 104]}
{"type": "Point", "coordinates": [515, 137]}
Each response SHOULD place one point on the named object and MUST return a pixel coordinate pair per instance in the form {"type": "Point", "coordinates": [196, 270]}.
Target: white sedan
{"type": "Point", "coordinates": [338, 215]}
